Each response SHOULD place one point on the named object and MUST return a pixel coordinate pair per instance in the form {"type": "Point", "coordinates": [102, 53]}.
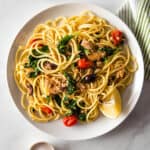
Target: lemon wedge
{"type": "Point", "coordinates": [113, 107]}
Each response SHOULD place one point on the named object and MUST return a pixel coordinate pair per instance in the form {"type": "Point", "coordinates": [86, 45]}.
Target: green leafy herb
{"type": "Point", "coordinates": [80, 48]}
{"type": "Point", "coordinates": [62, 45]}
{"type": "Point", "coordinates": [69, 113]}
{"type": "Point", "coordinates": [118, 49]}
{"type": "Point", "coordinates": [34, 73]}
{"type": "Point", "coordinates": [104, 59]}
{"type": "Point", "coordinates": [68, 77]}
{"type": "Point", "coordinates": [82, 116]}
{"type": "Point", "coordinates": [66, 39]}
{"type": "Point", "coordinates": [35, 53]}
{"type": "Point", "coordinates": [83, 51]}
{"type": "Point", "coordinates": [57, 99]}
{"type": "Point", "coordinates": [87, 51]}
{"type": "Point", "coordinates": [71, 83]}
{"type": "Point", "coordinates": [33, 61]}
{"type": "Point", "coordinates": [73, 66]}
{"type": "Point", "coordinates": [48, 99]}
{"type": "Point", "coordinates": [109, 51]}
{"type": "Point", "coordinates": [32, 64]}
{"type": "Point", "coordinates": [72, 105]}
{"type": "Point", "coordinates": [71, 88]}
{"type": "Point", "coordinates": [27, 65]}
{"type": "Point", "coordinates": [44, 49]}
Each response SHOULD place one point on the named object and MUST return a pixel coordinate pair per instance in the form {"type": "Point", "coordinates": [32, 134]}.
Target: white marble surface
{"type": "Point", "coordinates": [17, 134]}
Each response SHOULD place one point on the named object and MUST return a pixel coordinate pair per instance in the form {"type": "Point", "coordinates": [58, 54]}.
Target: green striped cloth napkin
{"type": "Point", "coordinates": [136, 14]}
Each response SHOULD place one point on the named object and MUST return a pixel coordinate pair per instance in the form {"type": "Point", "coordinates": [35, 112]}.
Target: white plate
{"type": "Point", "coordinates": [103, 124]}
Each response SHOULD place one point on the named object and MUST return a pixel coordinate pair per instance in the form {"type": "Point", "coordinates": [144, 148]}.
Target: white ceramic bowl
{"type": "Point", "coordinates": [102, 125]}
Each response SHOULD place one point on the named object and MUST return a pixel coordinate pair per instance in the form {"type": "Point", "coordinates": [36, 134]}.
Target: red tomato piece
{"type": "Point", "coordinates": [116, 36]}
{"type": "Point", "coordinates": [84, 63]}
{"type": "Point", "coordinates": [46, 110]}
{"type": "Point", "coordinates": [70, 120]}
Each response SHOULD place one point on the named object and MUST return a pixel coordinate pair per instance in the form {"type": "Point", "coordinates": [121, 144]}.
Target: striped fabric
{"type": "Point", "coordinates": [136, 14]}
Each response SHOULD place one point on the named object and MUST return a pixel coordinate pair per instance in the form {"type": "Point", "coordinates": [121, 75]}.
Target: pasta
{"type": "Point", "coordinates": [71, 66]}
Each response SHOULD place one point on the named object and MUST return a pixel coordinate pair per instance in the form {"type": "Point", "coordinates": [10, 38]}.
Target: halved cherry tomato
{"type": "Point", "coordinates": [70, 120]}
{"type": "Point", "coordinates": [84, 63]}
{"type": "Point", "coordinates": [116, 36]}
{"type": "Point", "coordinates": [46, 110]}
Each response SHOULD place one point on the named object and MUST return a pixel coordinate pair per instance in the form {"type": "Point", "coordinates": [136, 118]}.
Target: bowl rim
{"type": "Point", "coordinates": [103, 9]}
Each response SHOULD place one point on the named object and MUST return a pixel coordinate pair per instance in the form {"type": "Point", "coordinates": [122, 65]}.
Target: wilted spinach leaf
{"type": "Point", "coordinates": [83, 51]}
{"type": "Point", "coordinates": [82, 116]}
{"type": "Point", "coordinates": [62, 45]}
{"type": "Point", "coordinates": [71, 83]}
{"type": "Point", "coordinates": [44, 48]}
{"type": "Point", "coordinates": [32, 64]}
{"type": "Point", "coordinates": [34, 74]}
{"type": "Point", "coordinates": [57, 99]}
